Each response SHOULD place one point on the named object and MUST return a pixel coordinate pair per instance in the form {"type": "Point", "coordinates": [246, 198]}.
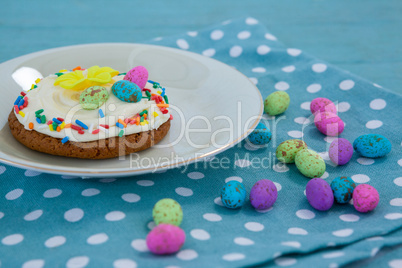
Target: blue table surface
{"type": "Point", "coordinates": [361, 36]}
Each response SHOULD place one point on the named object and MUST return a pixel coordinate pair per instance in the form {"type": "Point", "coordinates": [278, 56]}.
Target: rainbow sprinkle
{"type": "Point", "coordinates": [78, 122]}
{"type": "Point", "coordinates": [65, 139]}
{"type": "Point", "coordinates": [101, 114]}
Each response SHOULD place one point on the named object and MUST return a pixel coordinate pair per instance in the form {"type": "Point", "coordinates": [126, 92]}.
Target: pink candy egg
{"type": "Point", "coordinates": [322, 105]}
{"type": "Point", "coordinates": [138, 75]}
{"type": "Point", "coordinates": [165, 239]}
{"type": "Point", "coordinates": [365, 198]}
{"type": "Point", "coordinates": [329, 123]}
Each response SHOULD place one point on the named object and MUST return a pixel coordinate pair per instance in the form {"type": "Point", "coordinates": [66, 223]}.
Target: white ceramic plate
{"type": "Point", "coordinates": [204, 94]}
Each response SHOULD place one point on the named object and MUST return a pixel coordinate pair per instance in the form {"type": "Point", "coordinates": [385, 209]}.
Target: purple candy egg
{"type": "Point", "coordinates": [263, 194]}
{"type": "Point", "coordinates": [319, 194]}
{"type": "Point", "coordinates": [322, 105]}
{"type": "Point", "coordinates": [340, 151]}
{"type": "Point", "coordinates": [138, 75]}
{"type": "Point", "coordinates": [329, 124]}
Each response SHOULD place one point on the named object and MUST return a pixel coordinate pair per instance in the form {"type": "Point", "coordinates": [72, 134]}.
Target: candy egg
{"type": "Point", "coordinates": [309, 163]}
{"type": "Point", "coordinates": [319, 194]}
{"type": "Point", "coordinates": [233, 194]}
{"type": "Point", "coordinates": [276, 103]}
{"type": "Point", "coordinates": [340, 151]}
{"type": "Point", "coordinates": [343, 188]}
{"type": "Point", "coordinates": [260, 135]}
{"type": "Point", "coordinates": [365, 198]}
{"type": "Point", "coordinates": [372, 145]}
{"type": "Point", "coordinates": [287, 150]}
{"type": "Point", "coordinates": [167, 211]}
{"type": "Point", "coordinates": [127, 91]}
{"type": "Point", "coordinates": [322, 105]}
{"type": "Point", "coordinates": [329, 124]}
{"type": "Point", "coordinates": [165, 239]}
{"type": "Point", "coordinates": [263, 194]}
{"type": "Point", "coordinates": [93, 97]}
{"type": "Point", "coordinates": [138, 75]}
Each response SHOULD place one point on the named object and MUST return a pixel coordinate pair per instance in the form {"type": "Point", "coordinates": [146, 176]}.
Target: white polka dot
{"type": "Point", "coordinates": [397, 263]}
{"type": "Point", "coordinates": [210, 52]}
{"type": "Point", "coordinates": [218, 201]}
{"type": "Point", "coordinates": [277, 254]}
{"type": "Point", "coordinates": [131, 198]}
{"type": "Point", "coordinates": [254, 226]}
{"type": "Point", "coordinates": [271, 37]}
{"type": "Point", "coordinates": [233, 178]}
{"type": "Point", "coordinates": [297, 231]}
{"type": "Point", "coordinates": [295, 134]}
{"type": "Point", "coordinates": [55, 241]}
{"type": "Point", "coordinates": [181, 43]}
{"type": "Point", "coordinates": [289, 69]}
{"type": "Point", "coordinates": [347, 84]}
{"type": "Point", "coordinates": [282, 85]}
{"type": "Point", "coordinates": [258, 70]}
{"type": "Point", "coordinates": [343, 107]}
{"type": "Point", "coordinates": [314, 88]}
{"type": "Point", "coordinates": [264, 210]}
{"type": "Point", "coordinates": [333, 265]}
{"type": "Point", "coordinates": [235, 51]}
{"type": "Point", "coordinates": [285, 261]}
{"type": "Point", "coordinates": [280, 167]}
{"type": "Point", "coordinates": [34, 215]}
{"type": "Point", "coordinates": [124, 263]}
{"type": "Point", "coordinates": [396, 202]}
{"type": "Point", "coordinates": [226, 22]}
{"type": "Point", "coordinates": [365, 161]}
{"type": "Point", "coordinates": [305, 105]}
{"type": "Point", "coordinates": [200, 234]}
{"type": "Point", "coordinates": [2, 169]}
{"type": "Point", "coordinates": [349, 217]}
{"type": "Point", "coordinates": [319, 67]}
{"type": "Point", "coordinates": [184, 191]}
{"type": "Point", "coordinates": [373, 124]}
{"type": "Point", "coordinates": [13, 239]}
{"type": "Point", "coordinates": [90, 192]}
{"type": "Point", "coordinates": [74, 215]}
{"type": "Point", "coordinates": [400, 162]}
{"type": "Point", "coordinates": [374, 252]}
{"type": "Point", "coordinates": [251, 21]}
{"type": "Point", "coordinates": [302, 120]}
{"type": "Point", "coordinates": [140, 245]}
{"type": "Point", "coordinates": [106, 180]}
{"type": "Point", "coordinates": [212, 217]}
{"type": "Point", "coordinates": [343, 232]}
{"type": "Point", "coordinates": [326, 174]}
{"type": "Point", "coordinates": [334, 254]}
{"type": "Point", "coordinates": [14, 194]}
{"type": "Point", "coordinates": [77, 262]}
{"type": "Point", "coordinates": [375, 238]}
{"type": "Point", "coordinates": [157, 38]}
{"type": "Point", "coordinates": [294, 52]}
{"type": "Point", "coordinates": [293, 244]}
{"type": "Point", "coordinates": [330, 139]}
{"type": "Point", "coordinates": [378, 104]}
{"type": "Point", "coordinates": [51, 193]}
{"type": "Point", "coordinates": [67, 177]}
{"type": "Point", "coordinates": [145, 183]}
{"type": "Point", "coordinates": [151, 225]}
{"type": "Point", "coordinates": [242, 241]}
{"type": "Point", "coordinates": [244, 35]}
{"type": "Point", "coordinates": [393, 216]}
{"type": "Point", "coordinates": [192, 33]}
{"type": "Point", "coordinates": [97, 239]}
{"type": "Point", "coordinates": [115, 216]}
{"type": "Point", "coordinates": [360, 178]}
{"type": "Point", "coordinates": [305, 214]}
{"type": "Point", "coordinates": [233, 257]}
{"type": "Point", "coordinates": [32, 173]}
{"type": "Point", "coordinates": [278, 186]}
{"type": "Point", "coordinates": [1, 215]}
{"type": "Point", "coordinates": [34, 264]}
{"type": "Point", "coordinates": [187, 254]}
{"type": "Point", "coordinates": [195, 175]}
{"type": "Point", "coordinates": [398, 181]}
{"type": "Point", "coordinates": [242, 163]}
{"type": "Point", "coordinates": [216, 35]}
{"type": "Point", "coordinates": [263, 49]}
{"type": "Point", "coordinates": [254, 80]}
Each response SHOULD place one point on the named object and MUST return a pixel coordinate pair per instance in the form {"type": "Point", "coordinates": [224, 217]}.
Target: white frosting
{"type": "Point", "coordinates": [59, 102]}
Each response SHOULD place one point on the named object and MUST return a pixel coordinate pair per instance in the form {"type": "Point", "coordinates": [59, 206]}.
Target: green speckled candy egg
{"type": "Point", "coordinates": [276, 103]}
{"type": "Point", "coordinates": [309, 163]}
{"type": "Point", "coordinates": [167, 211]}
{"type": "Point", "coordinates": [287, 150]}
{"type": "Point", "coordinates": [93, 97]}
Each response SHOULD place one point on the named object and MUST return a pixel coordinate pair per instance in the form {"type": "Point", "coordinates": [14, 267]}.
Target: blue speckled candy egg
{"type": "Point", "coordinates": [233, 194]}
{"type": "Point", "coordinates": [372, 145]}
{"type": "Point", "coordinates": [260, 135]}
{"type": "Point", "coordinates": [343, 188]}
{"type": "Point", "coordinates": [127, 91]}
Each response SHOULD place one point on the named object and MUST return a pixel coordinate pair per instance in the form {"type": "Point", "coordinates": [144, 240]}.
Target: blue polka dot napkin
{"type": "Point", "coordinates": [56, 221]}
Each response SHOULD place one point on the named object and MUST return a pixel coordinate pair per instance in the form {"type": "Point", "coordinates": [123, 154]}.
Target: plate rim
{"type": "Point", "coordinates": [129, 172]}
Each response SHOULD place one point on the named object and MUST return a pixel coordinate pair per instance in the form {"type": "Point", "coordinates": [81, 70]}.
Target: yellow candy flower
{"type": "Point", "coordinates": [95, 76]}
